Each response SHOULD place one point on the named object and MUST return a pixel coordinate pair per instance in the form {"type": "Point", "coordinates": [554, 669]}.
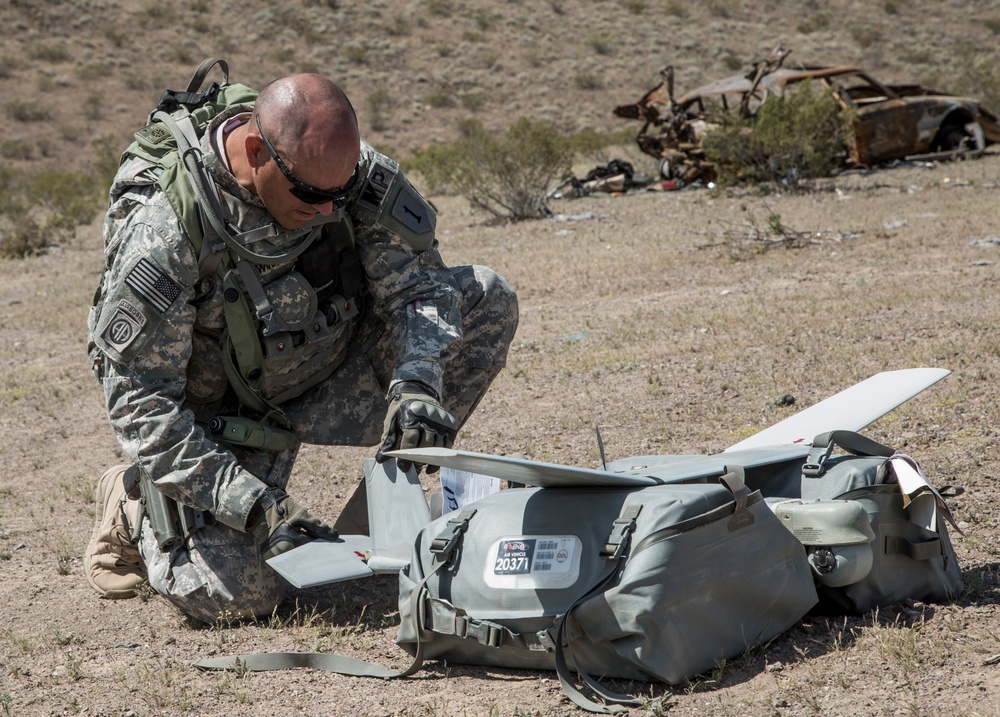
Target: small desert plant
{"type": "Point", "coordinates": [8, 65]}
{"type": "Point", "coordinates": [17, 149]}
{"type": "Point", "coordinates": [27, 111]}
{"type": "Point", "coordinates": [677, 8]}
{"type": "Point", "coordinates": [440, 97]}
{"type": "Point", "coordinates": [440, 8]}
{"type": "Point", "coordinates": [356, 54]}
{"type": "Point", "coordinates": [802, 134]}
{"type": "Point", "coordinates": [601, 43]}
{"type": "Point", "coordinates": [378, 107]}
{"type": "Point", "coordinates": [588, 81]}
{"type": "Point", "coordinates": [39, 210]}
{"type": "Point", "coordinates": [508, 177]}
{"type": "Point", "coordinates": [49, 53]}
{"type": "Point", "coordinates": [472, 101]}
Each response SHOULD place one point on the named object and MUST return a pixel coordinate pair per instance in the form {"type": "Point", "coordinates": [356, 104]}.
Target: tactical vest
{"type": "Point", "coordinates": [273, 348]}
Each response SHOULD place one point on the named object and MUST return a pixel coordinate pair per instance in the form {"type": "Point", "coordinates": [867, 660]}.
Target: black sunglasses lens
{"type": "Point", "coordinates": [310, 197]}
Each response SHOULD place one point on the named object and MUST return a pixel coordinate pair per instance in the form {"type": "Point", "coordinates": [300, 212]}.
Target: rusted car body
{"type": "Point", "coordinates": [891, 121]}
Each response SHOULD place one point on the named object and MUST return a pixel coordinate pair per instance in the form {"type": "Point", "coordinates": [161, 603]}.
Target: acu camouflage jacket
{"type": "Point", "coordinates": [154, 331]}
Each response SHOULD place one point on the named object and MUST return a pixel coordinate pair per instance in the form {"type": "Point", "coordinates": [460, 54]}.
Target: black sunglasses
{"type": "Point", "coordinates": [306, 192]}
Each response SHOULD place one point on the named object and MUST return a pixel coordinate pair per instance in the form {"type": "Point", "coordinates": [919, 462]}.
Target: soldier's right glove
{"type": "Point", "coordinates": [415, 419]}
{"type": "Point", "coordinates": [279, 524]}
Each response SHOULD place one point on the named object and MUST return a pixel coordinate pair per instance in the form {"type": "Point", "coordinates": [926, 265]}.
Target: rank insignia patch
{"type": "Point", "coordinates": [152, 285]}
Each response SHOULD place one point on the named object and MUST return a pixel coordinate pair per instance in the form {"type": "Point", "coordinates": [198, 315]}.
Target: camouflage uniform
{"type": "Point", "coordinates": [154, 342]}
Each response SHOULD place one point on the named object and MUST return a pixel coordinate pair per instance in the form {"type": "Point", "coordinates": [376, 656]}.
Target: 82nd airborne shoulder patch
{"type": "Point", "coordinates": [124, 326]}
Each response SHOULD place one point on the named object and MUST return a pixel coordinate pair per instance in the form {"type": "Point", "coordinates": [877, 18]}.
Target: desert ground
{"type": "Point", "coordinates": [646, 314]}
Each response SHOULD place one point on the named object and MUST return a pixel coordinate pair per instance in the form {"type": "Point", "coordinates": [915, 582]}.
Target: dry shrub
{"type": "Point", "coordinates": [802, 134]}
{"type": "Point", "coordinates": [507, 177]}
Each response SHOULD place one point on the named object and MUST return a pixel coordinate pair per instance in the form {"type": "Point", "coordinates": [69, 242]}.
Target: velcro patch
{"type": "Point", "coordinates": [151, 135]}
{"type": "Point", "coordinates": [124, 326]}
{"type": "Point", "coordinates": [152, 285]}
{"type": "Point", "coordinates": [376, 187]}
{"type": "Point", "coordinates": [412, 211]}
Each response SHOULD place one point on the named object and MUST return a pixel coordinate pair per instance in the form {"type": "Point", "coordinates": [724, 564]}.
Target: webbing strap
{"type": "Point", "coordinates": [445, 543]}
{"type": "Point", "coordinates": [734, 479]}
{"type": "Point", "coordinates": [562, 662]}
{"type": "Point", "coordinates": [198, 78]}
{"type": "Point", "coordinates": [332, 662]}
{"type": "Point", "coordinates": [621, 532]}
{"type": "Point", "coordinates": [924, 550]}
{"type": "Point", "coordinates": [850, 441]}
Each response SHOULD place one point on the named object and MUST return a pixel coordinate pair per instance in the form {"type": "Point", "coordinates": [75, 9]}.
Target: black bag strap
{"type": "Point", "coordinates": [850, 441]}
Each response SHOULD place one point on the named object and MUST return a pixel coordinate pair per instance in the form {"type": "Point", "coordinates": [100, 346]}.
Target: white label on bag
{"type": "Point", "coordinates": [528, 562]}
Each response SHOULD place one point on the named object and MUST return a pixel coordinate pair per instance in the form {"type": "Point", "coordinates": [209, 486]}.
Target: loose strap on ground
{"type": "Point", "coordinates": [263, 661]}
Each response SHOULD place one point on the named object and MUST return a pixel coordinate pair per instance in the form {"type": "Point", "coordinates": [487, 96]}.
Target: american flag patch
{"type": "Point", "coordinates": [152, 285]}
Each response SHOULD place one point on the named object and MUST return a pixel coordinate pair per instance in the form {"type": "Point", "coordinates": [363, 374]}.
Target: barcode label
{"type": "Point", "coordinates": [532, 562]}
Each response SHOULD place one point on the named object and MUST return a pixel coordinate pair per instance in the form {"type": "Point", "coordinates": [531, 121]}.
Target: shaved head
{"type": "Point", "coordinates": [294, 107]}
{"type": "Point", "coordinates": [306, 122]}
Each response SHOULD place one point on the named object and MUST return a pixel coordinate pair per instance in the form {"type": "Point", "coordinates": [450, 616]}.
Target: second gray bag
{"type": "Point", "coordinates": [651, 584]}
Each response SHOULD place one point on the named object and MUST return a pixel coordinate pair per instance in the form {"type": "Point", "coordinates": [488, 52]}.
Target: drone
{"type": "Point", "coordinates": [398, 507]}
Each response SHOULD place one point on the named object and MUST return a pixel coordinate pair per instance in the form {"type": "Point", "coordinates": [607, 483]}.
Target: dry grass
{"type": "Point", "coordinates": [626, 323]}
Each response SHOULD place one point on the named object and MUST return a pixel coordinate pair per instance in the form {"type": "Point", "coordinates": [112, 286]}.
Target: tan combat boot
{"type": "Point", "coordinates": [113, 565]}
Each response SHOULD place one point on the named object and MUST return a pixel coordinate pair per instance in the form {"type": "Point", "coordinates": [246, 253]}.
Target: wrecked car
{"type": "Point", "coordinates": [891, 122]}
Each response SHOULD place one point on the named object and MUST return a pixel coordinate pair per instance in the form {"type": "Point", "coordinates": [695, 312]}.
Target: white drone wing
{"type": "Point", "coordinates": [851, 410]}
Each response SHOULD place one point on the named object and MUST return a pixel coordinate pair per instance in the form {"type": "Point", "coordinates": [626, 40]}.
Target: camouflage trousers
{"type": "Point", "coordinates": [217, 572]}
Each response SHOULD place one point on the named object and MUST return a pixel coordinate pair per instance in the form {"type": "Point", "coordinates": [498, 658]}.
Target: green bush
{"type": "Point", "coordinates": [27, 111]}
{"type": "Point", "coordinates": [507, 178]}
{"type": "Point", "coordinates": [43, 209]}
{"type": "Point", "coordinates": [802, 134]}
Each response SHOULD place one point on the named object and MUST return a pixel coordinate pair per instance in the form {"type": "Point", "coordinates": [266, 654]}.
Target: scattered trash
{"type": "Point", "coordinates": [615, 177]}
{"type": "Point", "coordinates": [584, 217]}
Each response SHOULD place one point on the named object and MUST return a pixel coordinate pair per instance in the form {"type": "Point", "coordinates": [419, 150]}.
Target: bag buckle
{"type": "Point", "coordinates": [445, 543]}
{"type": "Point", "coordinates": [621, 531]}
{"type": "Point", "coordinates": [485, 633]}
{"type": "Point", "coordinates": [813, 470]}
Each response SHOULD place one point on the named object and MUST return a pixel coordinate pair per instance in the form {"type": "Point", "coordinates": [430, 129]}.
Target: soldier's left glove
{"type": "Point", "coordinates": [415, 419]}
{"type": "Point", "coordinates": [279, 524]}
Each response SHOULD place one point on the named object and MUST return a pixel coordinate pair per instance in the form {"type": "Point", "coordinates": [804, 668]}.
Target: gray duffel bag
{"type": "Point", "coordinates": [651, 584]}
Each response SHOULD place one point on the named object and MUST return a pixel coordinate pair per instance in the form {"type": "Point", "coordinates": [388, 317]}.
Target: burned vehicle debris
{"type": "Point", "coordinates": [891, 121]}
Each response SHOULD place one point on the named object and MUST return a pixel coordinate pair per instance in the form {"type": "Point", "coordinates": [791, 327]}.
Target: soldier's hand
{"type": "Point", "coordinates": [279, 524]}
{"type": "Point", "coordinates": [415, 419]}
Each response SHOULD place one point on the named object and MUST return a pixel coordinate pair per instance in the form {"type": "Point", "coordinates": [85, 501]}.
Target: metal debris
{"type": "Point", "coordinates": [892, 122]}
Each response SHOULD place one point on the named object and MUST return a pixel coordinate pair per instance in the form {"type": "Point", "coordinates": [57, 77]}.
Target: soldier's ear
{"type": "Point", "coordinates": [256, 152]}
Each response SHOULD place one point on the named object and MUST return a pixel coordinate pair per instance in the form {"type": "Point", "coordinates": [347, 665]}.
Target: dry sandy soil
{"type": "Point", "coordinates": [635, 315]}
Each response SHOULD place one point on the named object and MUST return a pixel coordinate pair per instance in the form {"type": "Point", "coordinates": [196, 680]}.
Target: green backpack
{"type": "Point", "coordinates": [170, 140]}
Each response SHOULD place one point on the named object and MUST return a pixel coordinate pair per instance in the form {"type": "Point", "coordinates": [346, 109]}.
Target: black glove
{"type": "Point", "coordinates": [279, 524]}
{"type": "Point", "coordinates": [415, 420]}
